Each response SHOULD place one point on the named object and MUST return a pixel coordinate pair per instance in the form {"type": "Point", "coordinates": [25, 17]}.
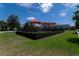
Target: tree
{"type": "Point", "coordinates": [3, 25]}
{"type": "Point", "coordinates": [13, 22]}
{"type": "Point", "coordinates": [28, 26]}
{"type": "Point", "coordinates": [76, 17]}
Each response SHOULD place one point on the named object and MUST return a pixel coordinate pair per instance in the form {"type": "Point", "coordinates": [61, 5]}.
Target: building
{"type": "Point", "coordinates": [46, 26]}
{"type": "Point", "coordinates": [41, 26]}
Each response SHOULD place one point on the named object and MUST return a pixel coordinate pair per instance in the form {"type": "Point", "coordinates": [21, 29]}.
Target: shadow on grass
{"type": "Point", "coordinates": [73, 40]}
{"type": "Point", "coordinates": [74, 33]}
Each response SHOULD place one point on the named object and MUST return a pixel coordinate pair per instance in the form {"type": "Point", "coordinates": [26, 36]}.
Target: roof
{"type": "Point", "coordinates": [34, 21]}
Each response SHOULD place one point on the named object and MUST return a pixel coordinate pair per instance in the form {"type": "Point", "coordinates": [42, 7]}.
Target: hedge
{"type": "Point", "coordinates": [37, 35]}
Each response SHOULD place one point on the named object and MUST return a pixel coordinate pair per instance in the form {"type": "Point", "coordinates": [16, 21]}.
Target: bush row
{"type": "Point", "coordinates": [35, 35]}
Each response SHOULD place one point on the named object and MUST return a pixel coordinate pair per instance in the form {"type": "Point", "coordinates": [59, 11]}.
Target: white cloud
{"type": "Point", "coordinates": [45, 7]}
{"type": "Point", "coordinates": [70, 4]}
{"type": "Point", "coordinates": [62, 14]}
{"type": "Point", "coordinates": [30, 18]}
{"type": "Point", "coordinates": [26, 5]}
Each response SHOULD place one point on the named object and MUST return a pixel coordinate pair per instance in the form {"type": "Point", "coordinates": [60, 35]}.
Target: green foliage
{"type": "Point", "coordinates": [13, 22]}
{"type": "Point", "coordinates": [3, 25]}
{"type": "Point", "coordinates": [76, 18]}
{"type": "Point", "coordinates": [27, 26]}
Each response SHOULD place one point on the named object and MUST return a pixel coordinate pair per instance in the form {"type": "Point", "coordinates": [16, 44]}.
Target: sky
{"type": "Point", "coordinates": [61, 13]}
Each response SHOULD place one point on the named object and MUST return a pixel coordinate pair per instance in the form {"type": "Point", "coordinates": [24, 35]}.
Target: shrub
{"type": "Point", "coordinates": [37, 35]}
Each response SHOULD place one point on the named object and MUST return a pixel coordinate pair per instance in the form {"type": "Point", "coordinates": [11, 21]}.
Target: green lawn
{"type": "Point", "coordinates": [12, 44]}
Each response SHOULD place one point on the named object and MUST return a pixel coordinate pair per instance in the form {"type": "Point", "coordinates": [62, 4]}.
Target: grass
{"type": "Point", "coordinates": [59, 44]}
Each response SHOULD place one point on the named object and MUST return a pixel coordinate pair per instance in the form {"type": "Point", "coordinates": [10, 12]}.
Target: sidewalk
{"type": "Point", "coordinates": [5, 31]}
